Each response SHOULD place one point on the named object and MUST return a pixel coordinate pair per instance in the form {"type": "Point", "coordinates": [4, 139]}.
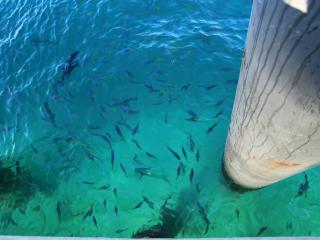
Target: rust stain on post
{"type": "Point", "coordinates": [278, 163]}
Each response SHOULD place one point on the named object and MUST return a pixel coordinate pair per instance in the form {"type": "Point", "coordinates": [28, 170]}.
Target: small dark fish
{"type": "Point", "coordinates": [184, 153]}
{"type": "Point", "coordinates": [34, 149]}
{"type": "Point", "coordinates": [136, 143]}
{"type": "Point", "coordinates": [138, 205]}
{"type": "Point", "coordinates": [262, 230]}
{"type": "Point", "coordinates": [88, 213]}
{"type": "Point", "coordinates": [135, 129]}
{"type": "Point", "coordinates": [219, 103]}
{"type": "Point", "coordinates": [219, 114]}
{"type": "Point", "coordinates": [121, 230]}
{"type": "Point", "coordinates": [104, 137]}
{"type": "Point", "coordinates": [148, 62]}
{"type": "Point", "coordinates": [204, 38]}
{"type": "Point", "coordinates": [238, 213]}
{"type": "Point", "coordinates": [300, 191]}
{"type": "Point", "coordinates": [207, 88]}
{"type": "Point", "coordinates": [129, 73]}
{"type": "Point", "coordinates": [130, 111]}
{"type": "Point", "coordinates": [104, 187]}
{"type": "Point", "coordinates": [69, 66]}
{"type": "Point", "coordinates": [18, 167]}
{"type": "Point", "coordinates": [151, 88]}
{"type": "Point", "coordinates": [159, 72]}
{"type": "Point", "coordinates": [178, 170]}
{"type": "Point", "coordinates": [116, 210]}
{"type": "Point", "coordinates": [185, 87]}
{"type": "Point", "coordinates": [174, 153]}
{"type": "Point", "coordinates": [12, 222]}
{"type": "Point", "coordinates": [192, 113]}
{"type": "Point", "coordinates": [123, 169]}
{"type": "Point", "coordinates": [93, 127]}
{"type": "Point", "coordinates": [193, 116]}
{"type": "Point", "coordinates": [232, 81]}
{"type": "Point", "coordinates": [204, 216]}
{"type": "Point", "coordinates": [58, 209]}
{"type": "Point", "coordinates": [147, 201]}
{"type": "Point", "coordinates": [22, 211]}
{"type": "Point", "coordinates": [191, 143]}
{"type": "Point", "coordinates": [50, 114]}
{"type": "Point", "coordinates": [198, 155]}
{"type": "Point", "coordinates": [102, 108]}
{"type": "Point", "coordinates": [183, 169]}
{"type": "Point", "coordinates": [94, 221]}
{"type": "Point", "coordinates": [56, 139]}
{"type": "Point", "coordinates": [198, 188]}
{"type": "Point", "coordinates": [135, 159]}
{"type": "Point", "coordinates": [289, 225]}
{"type": "Point", "coordinates": [150, 155]}
{"type": "Point", "coordinates": [171, 99]}
{"type": "Point", "coordinates": [207, 228]}
{"type": "Point", "coordinates": [211, 128]}
{"type": "Point", "coordinates": [166, 118]}
{"type": "Point", "coordinates": [210, 87]}
{"type": "Point", "coordinates": [143, 171]}
{"type": "Point", "coordinates": [157, 103]}
{"type": "Point", "coordinates": [68, 139]}
{"type": "Point", "coordinates": [90, 156]}
{"type": "Point", "coordinates": [166, 201]}
{"type": "Point", "coordinates": [115, 192]}
{"type": "Point", "coordinates": [191, 175]}
{"type": "Point", "coordinates": [105, 203]}
{"type": "Point", "coordinates": [118, 130]}
{"type": "Point", "coordinates": [125, 102]}
{"type": "Point", "coordinates": [37, 208]}
{"type": "Point", "coordinates": [88, 183]}
{"type": "Point", "coordinates": [112, 158]}
{"type": "Point", "coordinates": [303, 187]}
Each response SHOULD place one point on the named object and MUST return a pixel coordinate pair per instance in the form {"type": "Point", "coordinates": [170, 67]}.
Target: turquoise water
{"type": "Point", "coordinates": [90, 144]}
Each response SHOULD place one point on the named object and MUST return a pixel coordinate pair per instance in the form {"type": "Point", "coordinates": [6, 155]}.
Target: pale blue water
{"type": "Point", "coordinates": [145, 68]}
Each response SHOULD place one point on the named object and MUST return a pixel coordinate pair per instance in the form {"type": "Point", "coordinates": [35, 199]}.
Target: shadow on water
{"type": "Point", "coordinates": [20, 180]}
{"type": "Point", "coordinates": [173, 221]}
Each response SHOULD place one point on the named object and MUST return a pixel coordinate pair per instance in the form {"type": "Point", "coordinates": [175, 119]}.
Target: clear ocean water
{"type": "Point", "coordinates": [113, 120]}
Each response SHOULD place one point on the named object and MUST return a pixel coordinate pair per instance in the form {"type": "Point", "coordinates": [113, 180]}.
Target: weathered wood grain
{"type": "Point", "coordinates": [274, 131]}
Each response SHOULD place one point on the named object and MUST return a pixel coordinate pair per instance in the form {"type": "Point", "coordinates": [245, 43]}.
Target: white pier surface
{"type": "Point", "coordinates": [275, 125]}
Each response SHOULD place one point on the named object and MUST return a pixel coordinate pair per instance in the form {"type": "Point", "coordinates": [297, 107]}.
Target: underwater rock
{"type": "Point", "coordinates": [168, 228]}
